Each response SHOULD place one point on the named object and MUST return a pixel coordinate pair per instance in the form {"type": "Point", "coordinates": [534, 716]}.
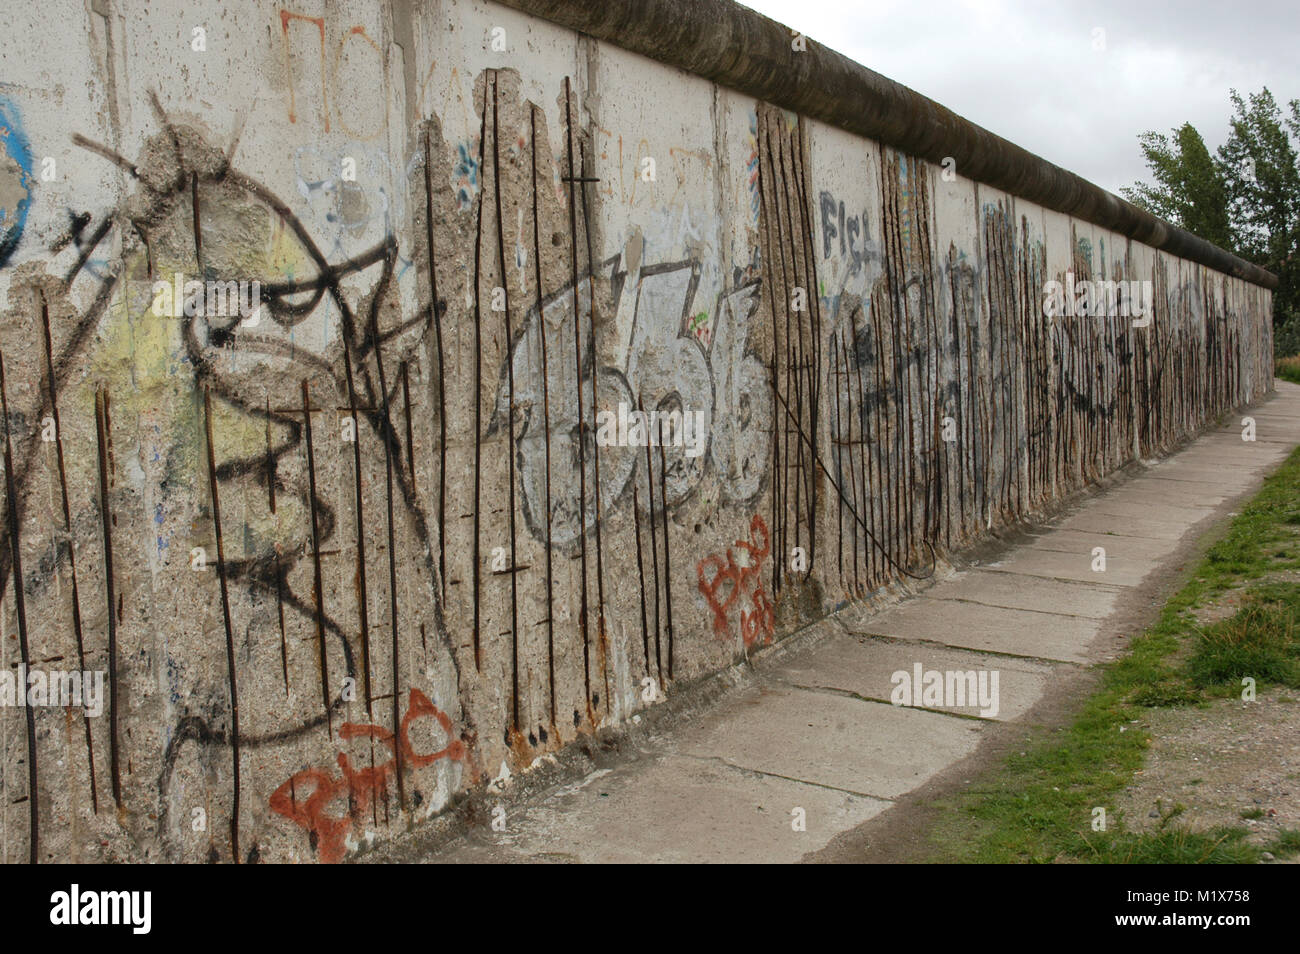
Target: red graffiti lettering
{"type": "Point", "coordinates": [735, 580]}
{"type": "Point", "coordinates": [357, 788]}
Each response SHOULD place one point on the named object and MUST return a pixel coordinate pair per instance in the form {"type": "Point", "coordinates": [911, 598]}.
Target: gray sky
{"type": "Point", "coordinates": [1028, 71]}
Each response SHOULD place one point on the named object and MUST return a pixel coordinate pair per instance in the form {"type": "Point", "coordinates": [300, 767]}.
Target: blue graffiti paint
{"type": "Point", "coordinates": [13, 143]}
{"type": "Point", "coordinates": [464, 177]}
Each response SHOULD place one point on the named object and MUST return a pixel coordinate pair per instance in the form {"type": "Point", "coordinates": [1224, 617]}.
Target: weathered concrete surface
{"type": "Point", "coordinates": [1077, 566]}
{"type": "Point", "coordinates": [743, 49]}
{"type": "Point", "coordinates": [829, 740]}
{"type": "Point", "coordinates": [1076, 541]}
{"type": "Point", "coordinates": [344, 558]}
{"type": "Point", "coordinates": [818, 725]}
{"type": "Point", "coordinates": [671, 809]}
{"type": "Point", "coordinates": [1089, 600]}
{"type": "Point", "coordinates": [863, 665]}
{"type": "Point", "coordinates": [994, 629]}
{"type": "Point", "coordinates": [1152, 528]}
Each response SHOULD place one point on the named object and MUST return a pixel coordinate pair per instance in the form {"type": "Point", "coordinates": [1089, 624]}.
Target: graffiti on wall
{"type": "Point", "coordinates": [733, 582]}
{"type": "Point", "coordinates": [306, 797]}
{"type": "Point", "coordinates": [193, 213]}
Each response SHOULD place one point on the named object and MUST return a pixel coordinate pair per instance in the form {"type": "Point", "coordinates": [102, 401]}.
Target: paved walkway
{"type": "Point", "coordinates": [815, 731]}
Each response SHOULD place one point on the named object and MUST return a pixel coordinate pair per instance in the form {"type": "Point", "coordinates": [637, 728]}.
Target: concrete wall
{"type": "Point", "coordinates": [347, 562]}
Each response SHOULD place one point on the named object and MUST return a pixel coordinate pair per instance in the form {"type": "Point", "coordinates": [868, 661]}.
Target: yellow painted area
{"type": "Point", "coordinates": [139, 358]}
{"type": "Point", "coordinates": [287, 256]}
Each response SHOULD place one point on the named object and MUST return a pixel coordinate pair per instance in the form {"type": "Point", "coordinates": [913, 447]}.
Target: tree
{"type": "Point", "coordinates": [1190, 190]}
{"type": "Point", "coordinates": [1259, 164]}
{"type": "Point", "coordinates": [1246, 199]}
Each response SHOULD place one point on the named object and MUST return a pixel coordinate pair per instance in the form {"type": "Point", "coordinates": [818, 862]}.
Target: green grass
{"type": "Point", "coordinates": [1038, 806]}
{"type": "Point", "coordinates": [1288, 369]}
{"type": "Point", "coordinates": [1286, 843]}
{"type": "Point", "coordinates": [1176, 846]}
{"type": "Point", "coordinates": [1258, 642]}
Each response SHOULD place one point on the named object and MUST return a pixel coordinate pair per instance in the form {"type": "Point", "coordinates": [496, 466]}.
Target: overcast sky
{"type": "Point", "coordinates": [1028, 71]}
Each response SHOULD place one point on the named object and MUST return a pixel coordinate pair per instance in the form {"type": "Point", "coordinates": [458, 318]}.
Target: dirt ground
{"type": "Point", "coordinates": [1220, 765]}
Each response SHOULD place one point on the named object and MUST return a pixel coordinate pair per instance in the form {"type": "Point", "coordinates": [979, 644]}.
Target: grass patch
{"type": "Point", "coordinates": [1220, 846]}
{"type": "Point", "coordinates": [1041, 805]}
{"type": "Point", "coordinates": [1258, 642]}
{"type": "Point", "coordinates": [1288, 369]}
{"type": "Point", "coordinates": [1225, 845]}
{"type": "Point", "coordinates": [1286, 843]}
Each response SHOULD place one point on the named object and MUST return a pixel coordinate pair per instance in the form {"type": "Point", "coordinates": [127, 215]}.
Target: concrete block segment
{"type": "Point", "coordinates": [671, 809]}
{"type": "Point", "coordinates": [1126, 548]}
{"type": "Point", "coordinates": [870, 667]}
{"type": "Point", "coordinates": [994, 629]}
{"type": "Point", "coordinates": [1091, 600]}
{"type": "Point", "coordinates": [1089, 521]}
{"type": "Point", "coordinates": [830, 740]}
{"type": "Point", "coordinates": [1079, 566]}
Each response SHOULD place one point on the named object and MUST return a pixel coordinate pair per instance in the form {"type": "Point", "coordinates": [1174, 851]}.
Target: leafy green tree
{"type": "Point", "coordinates": [1189, 190]}
{"type": "Point", "coordinates": [1245, 199]}
{"type": "Point", "coordinates": [1260, 168]}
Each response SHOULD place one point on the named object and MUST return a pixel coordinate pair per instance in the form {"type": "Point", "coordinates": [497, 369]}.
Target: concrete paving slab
{"type": "Point", "coordinates": [1121, 569]}
{"type": "Point", "coordinates": [1272, 434]}
{"type": "Point", "coordinates": [1231, 436]}
{"type": "Point", "coordinates": [1231, 452]}
{"type": "Point", "coordinates": [828, 739]}
{"type": "Point", "coordinates": [1091, 522]}
{"type": "Point", "coordinates": [1189, 490]}
{"type": "Point", "coordinates": [1233, 431]}
{"type": "Point", "coordinates": [1120, 505]}
{"type": "Point", "coordinates": [1232, 476]}
{"type": "Point", "coordinates": [670, 809]}
{"type": "Point", "coordinates": [1014, 591]}
{"type": "Point", "coordinates": [1281, 425]}
{"type": "Point", "coordinates": [1229, 462]}
{"type": "Point", "coordinates": [1234, 428]}
{"type": "Point", "coordinates": [1078, 541]}
{"type": "Point", "coordinates": [870, 667]}
{"type": "Point", "coordinates": [1158, 495]}
{"type": "Point", "coordinates": [993, 629]}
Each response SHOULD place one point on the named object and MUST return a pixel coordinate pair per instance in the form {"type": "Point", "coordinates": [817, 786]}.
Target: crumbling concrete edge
{"type": "Point", "coordinates": [743, 50]}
